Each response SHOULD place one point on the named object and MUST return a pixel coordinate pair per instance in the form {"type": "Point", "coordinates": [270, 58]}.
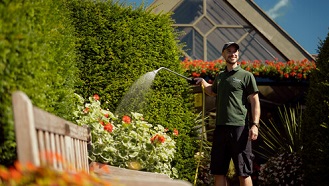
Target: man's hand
{"type": "Point", "coordinates": [198, 80]}
{"type": "Point", "coordinates": [253, 132]}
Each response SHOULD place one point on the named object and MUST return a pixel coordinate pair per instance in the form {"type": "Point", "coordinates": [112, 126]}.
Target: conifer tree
{"type": "Point", "coordinates": [315, 124]}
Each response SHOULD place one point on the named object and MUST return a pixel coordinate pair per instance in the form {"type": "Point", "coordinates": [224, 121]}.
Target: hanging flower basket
{"type": "Point", "coordinates": [273, 70]}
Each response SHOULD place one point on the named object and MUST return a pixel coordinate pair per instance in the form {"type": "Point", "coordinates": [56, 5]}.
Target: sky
{"type": "Point", "coordinates": [306, 21]}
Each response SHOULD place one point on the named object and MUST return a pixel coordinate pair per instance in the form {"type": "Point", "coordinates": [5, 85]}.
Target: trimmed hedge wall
{"type": "Point", "coordinates": [117, 45]}
{"type": "Point", "coordinates": [36, 56]}
{"type": "Point", "coordinates": [316, 122]}
{"type": "Point", "coordinates": [52, 49]}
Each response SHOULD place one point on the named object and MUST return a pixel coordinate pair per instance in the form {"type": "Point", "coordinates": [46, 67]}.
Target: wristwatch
{"type": "Point", "coordinates": [256, 124]}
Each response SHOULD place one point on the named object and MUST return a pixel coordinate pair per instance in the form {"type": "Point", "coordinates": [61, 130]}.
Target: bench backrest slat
{"type": "Point", "coordinates": [45, 139]}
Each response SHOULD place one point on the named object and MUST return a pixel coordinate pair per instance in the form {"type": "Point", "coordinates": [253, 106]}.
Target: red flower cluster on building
{"type": "Point", "coordinates": [299, 70]}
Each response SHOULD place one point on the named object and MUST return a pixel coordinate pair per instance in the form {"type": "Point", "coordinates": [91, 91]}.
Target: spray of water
{"type": "Point", "coordinates": [134, 99]}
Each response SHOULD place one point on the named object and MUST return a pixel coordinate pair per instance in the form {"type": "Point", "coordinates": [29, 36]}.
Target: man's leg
{"type": "Point", "coordinates": [220, 155]}
{"type": "Point", "coordinates": [245, 181]}
{"type": "Point", "coordinates": [220, 180]}
{"type": "Point", "coordinates": [243, 156]}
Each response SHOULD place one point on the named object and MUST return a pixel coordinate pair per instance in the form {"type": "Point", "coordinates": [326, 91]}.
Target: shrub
{"type": "Point", "coordinates": [36, 56]}
{"type": "Point", "coordinates": [283, 169]}
{"type": "Point", "coordinates": [130, 142]}
{"type": "Point", "coordinates": [282, 149]}
{"type": "Point", "coordinates": [315, 126]}
{"type": "Point", "coordinates": [117, 45]}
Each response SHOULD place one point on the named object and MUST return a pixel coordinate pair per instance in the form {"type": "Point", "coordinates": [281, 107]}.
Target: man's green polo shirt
{"type": "Point", "coordinates": [232, 89]}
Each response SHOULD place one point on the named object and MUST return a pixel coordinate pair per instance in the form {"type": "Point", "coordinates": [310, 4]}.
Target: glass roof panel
{"type": "Point", "coordinates": [193, 41]}
{"type": "Point", "coordinates": [188, 11]}
{"type": "Point", "coordinates": [222, 14]}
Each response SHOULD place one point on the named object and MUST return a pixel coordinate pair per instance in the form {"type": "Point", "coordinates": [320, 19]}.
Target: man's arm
{"type": "Point", "coordinates": [255, 115]}
{"type": "Point", "coordinates": [207, 86]}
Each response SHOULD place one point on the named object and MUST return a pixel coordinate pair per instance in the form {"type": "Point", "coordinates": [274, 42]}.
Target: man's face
{"type": "Point", "coordinates": [231, 54]}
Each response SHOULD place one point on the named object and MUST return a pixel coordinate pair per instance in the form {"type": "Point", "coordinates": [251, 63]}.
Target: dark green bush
{"type": "Point", "coordinates": [117, 45]}
{"type": "Point", "coordinates": [36, 56]}
{"type": "Point", "coordinates": [315, 124]}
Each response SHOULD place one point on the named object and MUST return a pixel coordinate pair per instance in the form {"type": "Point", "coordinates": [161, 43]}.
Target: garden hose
{"type": "Point", "coordinates": [202, 135]}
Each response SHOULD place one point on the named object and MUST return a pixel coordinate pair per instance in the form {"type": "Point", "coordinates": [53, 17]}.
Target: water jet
{"type": "Point", "coordinates": [133, 100]}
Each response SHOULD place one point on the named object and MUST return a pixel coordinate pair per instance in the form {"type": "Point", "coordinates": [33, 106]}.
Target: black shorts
{"type": "Point", "coordinates": [231, 142]}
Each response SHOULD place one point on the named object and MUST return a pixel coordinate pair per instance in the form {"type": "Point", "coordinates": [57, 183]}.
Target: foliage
{"type": "Point", "coordinates": [36, 56]}
{"type": "Point", "coordinates": [284, 135]}
{"type": "Point", "coordinates": [282, 149]}
{"type": "Point", "coordinates": [117, 45]}
{"type": "Point", "coordinates": [292, 70]}
{"type": "Point", "coordinates": [130, 142]}
{"type": "Point", "coordinates": [315, 126]}
{"type": "Point", "coordinates": [44, 176]}
{"type": "Point", "coordinates": [283, 169]}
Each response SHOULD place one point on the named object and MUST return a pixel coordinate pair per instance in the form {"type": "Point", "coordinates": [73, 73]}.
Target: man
{"type": "Point", "coordinates": [235, 89]}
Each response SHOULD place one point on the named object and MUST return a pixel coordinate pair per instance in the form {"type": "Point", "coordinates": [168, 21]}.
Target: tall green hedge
{"type": "Point", "coordinates": [316, 121]}
{"type": "Point", "coordinates": [37, 56]}
{"type": "Point", "coordinates": [117, 45]}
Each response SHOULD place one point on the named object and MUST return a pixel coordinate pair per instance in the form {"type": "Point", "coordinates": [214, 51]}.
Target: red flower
{"type": "Point", "coordinates": [158, 139]}
{"type": "Point", "coordinates": [101, 122]}
{"type": "Point", "coordinates": [194, 74]}
{"type": "Point", "coordinates": [96, 97]}
{"type": "Point", "coordinates": [175, 132]}
{"type": "Point", "coordinates": [299, 76]}
{"type": "Point", "coordinates": [286, 75]}
{"type": "Point", "coordinates": [106, 115]}
{"type": "Point", "coordinates": [271, 69]}
{"type": "Point", "coordinates": [86, 110]}
{"type": "Point", "coordinates": [108, 127]}
{"type": "Point", "coordinates": [126, 119]}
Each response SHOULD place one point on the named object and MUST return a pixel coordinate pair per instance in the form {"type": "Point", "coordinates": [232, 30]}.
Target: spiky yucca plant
{"type": "Point", "coordinates": [286, 138]}
{"type": "Point", "coordinates": [282, 147]}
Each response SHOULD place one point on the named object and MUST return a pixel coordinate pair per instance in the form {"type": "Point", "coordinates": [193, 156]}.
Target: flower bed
{"type": "Point", "coordinates": [127, 141]}
{"type": "Point", "coordinates": [275, 70]}
{"type": "Point", "coordinates": [29, 174]}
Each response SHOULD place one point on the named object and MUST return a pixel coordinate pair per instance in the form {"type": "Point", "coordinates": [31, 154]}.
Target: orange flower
{"type": "Point", "coordinates": [96, 96]}
{"type": "Point", "coordinates": [108, 127]}
{"type": "Point", "coordinates": [86, 110]}
{"type": "Point", "coordinates": [270, 68]}
{"type": "Point", "coordinates": [175, 132]}
{"type": "Point", "coordinates": [158, 139]}
{"type": "Point", "coordinates": [4, 174]}
{"type": "Point", "coordinates": [126, 119]}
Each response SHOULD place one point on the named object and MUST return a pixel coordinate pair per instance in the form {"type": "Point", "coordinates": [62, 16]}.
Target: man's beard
{"type": "Point", "coordinates": [230, 62]}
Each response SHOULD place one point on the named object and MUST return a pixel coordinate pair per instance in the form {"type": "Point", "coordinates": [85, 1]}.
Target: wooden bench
{"type": "Point", "coordinates": [45, 139]}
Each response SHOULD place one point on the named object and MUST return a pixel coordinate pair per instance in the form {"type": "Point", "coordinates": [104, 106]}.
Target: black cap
{"type": "Point", "coordinates": [226, 45]}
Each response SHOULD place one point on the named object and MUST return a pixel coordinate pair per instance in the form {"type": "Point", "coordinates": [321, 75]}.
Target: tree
{"type": "Point", "coordinates": [315, 124]}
